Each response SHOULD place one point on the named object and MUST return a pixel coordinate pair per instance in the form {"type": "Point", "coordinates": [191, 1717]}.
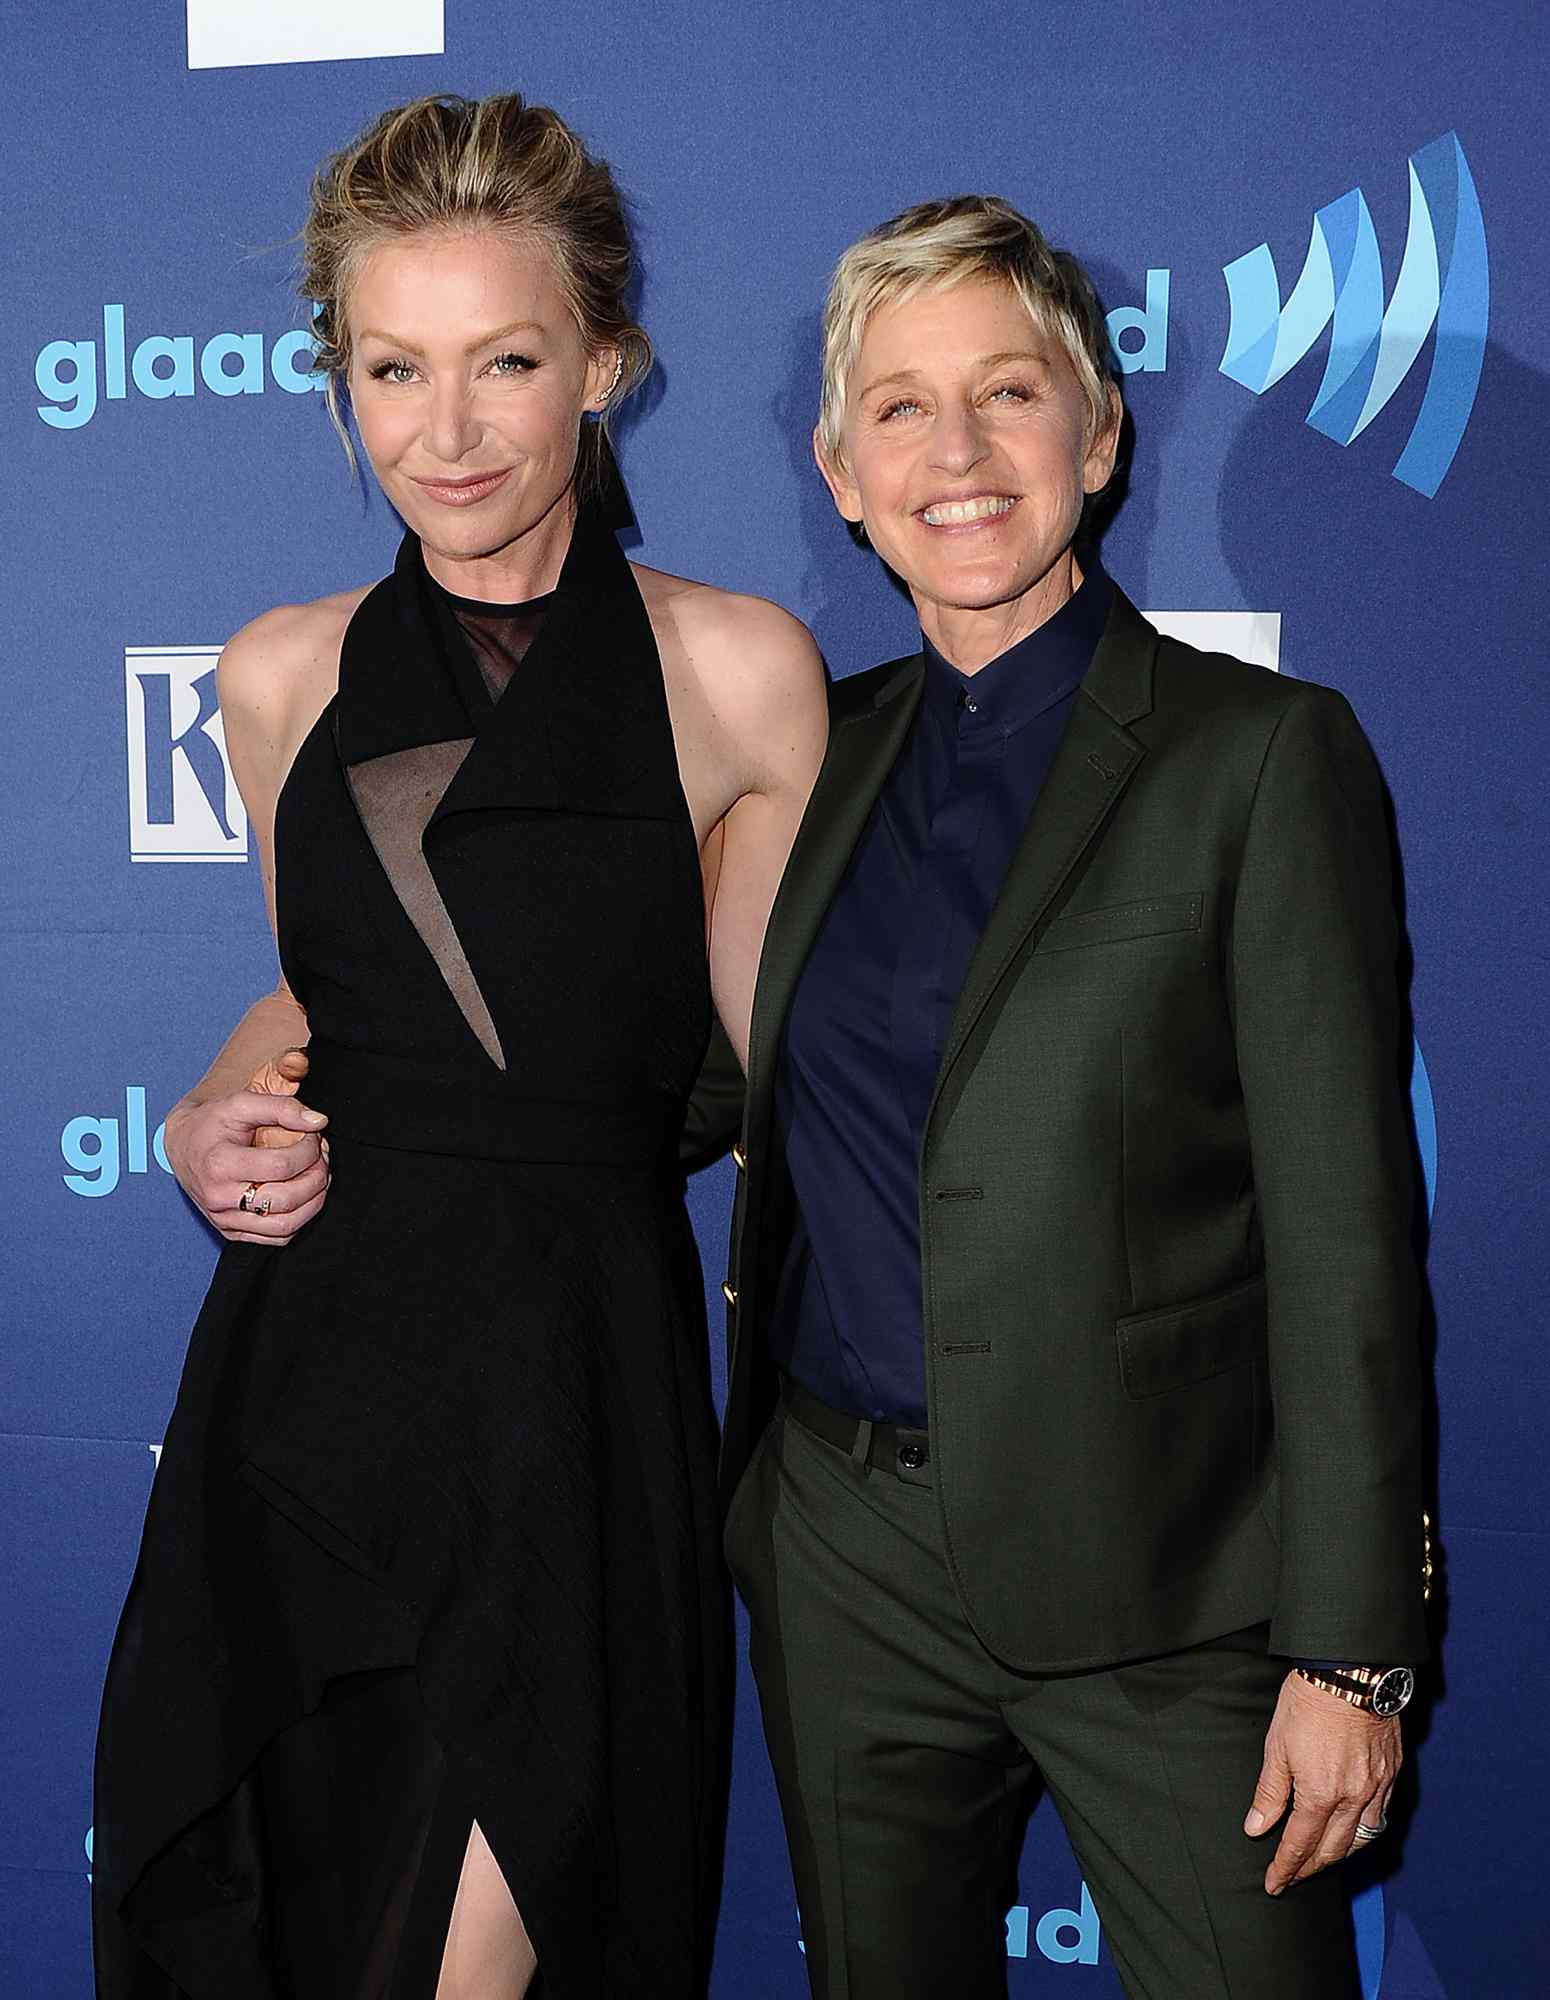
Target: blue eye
{"type": "Point", "coordinates": [513, 364]}
{"type": "Point", "coordinates": [397, 372]}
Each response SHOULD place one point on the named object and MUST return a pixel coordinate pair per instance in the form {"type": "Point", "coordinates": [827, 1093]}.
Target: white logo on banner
{"type": "Point", "coordinates": [183, 801]}
{"type": "Point", "coordinates": [1254, 636]}
{"type": "Point", "coordinates": [233, 34]}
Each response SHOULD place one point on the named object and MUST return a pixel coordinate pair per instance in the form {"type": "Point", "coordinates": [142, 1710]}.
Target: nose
{"type": "Point", "coordinates": [452, 431]}
{"type": "Point", "coordinates": [957, 439]}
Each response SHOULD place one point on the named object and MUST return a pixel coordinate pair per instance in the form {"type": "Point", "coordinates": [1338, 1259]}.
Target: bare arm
{"type": "Point", "coordinates": [765, 682]}
{"type": "Point", "coordinates": [273, 1027]}
{"type": "Point", "coordinates": [241, 1125]}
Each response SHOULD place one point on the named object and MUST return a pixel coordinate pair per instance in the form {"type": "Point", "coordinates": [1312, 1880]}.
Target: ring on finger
{"type": "Point", "coordinates": [251, 1202]}
{"type": "Point", "coordinates": [1366, 1832]}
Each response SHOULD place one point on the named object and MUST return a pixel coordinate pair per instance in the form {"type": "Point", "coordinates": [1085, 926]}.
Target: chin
{"type": "Point", "coordinates": [464, 534]}
{"type": "Point", "coordinates": [470, 537]}
{"type": "Point", "coordinates": [977, 589]}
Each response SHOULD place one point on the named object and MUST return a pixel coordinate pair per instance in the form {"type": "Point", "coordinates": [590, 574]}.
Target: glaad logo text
{"type": "Point", "coordinates": [91, 1146]}
{"type": "Point", "coordinates": [1443, 282]}
{"type": "Point", "coordinates": [183, 800]}
{"type": "Point", "coordinates": [161, 365]}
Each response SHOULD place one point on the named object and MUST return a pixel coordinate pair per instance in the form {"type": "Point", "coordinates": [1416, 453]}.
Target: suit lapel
{"type": "Point", "coordinates": [1096, 760]}
{"type": "Point", "coordinates": [863, 749]}
{"type": "Point", "coordinates": [865, 738]}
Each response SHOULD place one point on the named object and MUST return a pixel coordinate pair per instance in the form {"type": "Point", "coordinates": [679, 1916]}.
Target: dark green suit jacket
{"type": "Point", "coordinates": [1165, 1192]}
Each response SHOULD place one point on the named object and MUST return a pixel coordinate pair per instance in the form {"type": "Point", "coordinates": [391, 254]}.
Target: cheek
{"type": "Point", "coordinates": [879, 487]}
{"type": "Point", "coordinates": [1055, 477]}
{"type": "Point", "coordinates": [526, 425]}
{"type": "Point", "coordinates": [386, 429]}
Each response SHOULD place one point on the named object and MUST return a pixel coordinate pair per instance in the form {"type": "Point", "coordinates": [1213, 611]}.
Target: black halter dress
{"type": "Point", "coordinates": [433, 1537]}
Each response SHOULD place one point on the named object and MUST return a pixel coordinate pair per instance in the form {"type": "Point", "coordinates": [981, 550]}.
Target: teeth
{"type": "Point", "coordinates": [983, 508]}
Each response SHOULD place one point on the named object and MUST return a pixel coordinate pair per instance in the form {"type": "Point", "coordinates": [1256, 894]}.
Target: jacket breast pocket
{"type": "Point", "coordinates": [1180, 1345]}
{"type": "Point", "coordinates": [1153, 916]}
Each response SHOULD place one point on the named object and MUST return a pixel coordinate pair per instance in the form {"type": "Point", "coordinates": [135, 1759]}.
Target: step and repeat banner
{"type": "Point", "coordinates": [1320, 238]}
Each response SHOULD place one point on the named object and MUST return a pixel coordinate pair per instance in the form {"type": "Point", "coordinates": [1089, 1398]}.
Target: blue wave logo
{"type": "Point", "coordinates": [1443, 282]}
{"type": "Point", "coordinates": [1424, 1110]}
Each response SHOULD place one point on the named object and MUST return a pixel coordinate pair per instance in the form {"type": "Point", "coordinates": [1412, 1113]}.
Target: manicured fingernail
{"type": "Point", "coordinates": [315, 1117]}
{"type": "Point", "coordinates": [1255, 1823]}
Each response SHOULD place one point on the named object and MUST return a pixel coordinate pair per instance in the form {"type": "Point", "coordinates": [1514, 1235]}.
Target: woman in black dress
{"type": "Point", "coordinates": [419, 1677]}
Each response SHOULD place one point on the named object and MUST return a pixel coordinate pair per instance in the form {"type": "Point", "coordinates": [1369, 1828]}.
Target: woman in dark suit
{"type": "Point", "coordinates": [1073, 1418]}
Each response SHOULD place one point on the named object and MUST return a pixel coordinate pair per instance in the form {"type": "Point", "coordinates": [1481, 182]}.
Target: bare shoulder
{"type": "Point", "coordinates": [279, 656]}
{"type": "Point", "coordinates": [756, 665]}
{"type": "Point", "coordinates": [275, 678]}
{"type": "Point", "coordinates": [730, 631]}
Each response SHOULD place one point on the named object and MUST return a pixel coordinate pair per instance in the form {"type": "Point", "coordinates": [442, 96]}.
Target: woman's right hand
{"type": "Point", "coordinates": [261, 1135]}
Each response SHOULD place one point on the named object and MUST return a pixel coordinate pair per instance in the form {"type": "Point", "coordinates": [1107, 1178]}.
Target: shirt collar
{"type": "Point", "coordinates": [1030, 677]}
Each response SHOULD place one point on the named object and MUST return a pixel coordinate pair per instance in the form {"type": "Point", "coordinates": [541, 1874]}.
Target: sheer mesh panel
{"type": "Point", "coordinates": [499, 637]}
{"type": "Point", "coordinates": [397, 794]}
{"type": "Point", "coordinates": [395, 797]}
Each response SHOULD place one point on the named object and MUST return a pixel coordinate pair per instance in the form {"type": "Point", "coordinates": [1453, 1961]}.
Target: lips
{"type": "Point", "coordinates": [464, 492]}
{"type": "Point", "coordinates": [969, 512]}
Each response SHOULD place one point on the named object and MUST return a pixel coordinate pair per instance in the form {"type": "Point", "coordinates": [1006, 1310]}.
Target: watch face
{"type": "Point", "coordinates": [1393, 1691]}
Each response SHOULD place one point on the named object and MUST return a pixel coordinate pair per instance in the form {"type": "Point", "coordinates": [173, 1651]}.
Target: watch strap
{"type": "Point", "coordinates": [1381, 1691]}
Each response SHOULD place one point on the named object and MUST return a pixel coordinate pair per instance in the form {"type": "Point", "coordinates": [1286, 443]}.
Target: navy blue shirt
{"type": "Point", "coordinates": [871, 1011]}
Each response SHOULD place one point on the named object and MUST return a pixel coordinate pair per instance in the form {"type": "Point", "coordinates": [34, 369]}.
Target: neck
{"type": "Point", "coordinates": [969, 638]}
{"type": "Point", "coordinates": [524, 568]}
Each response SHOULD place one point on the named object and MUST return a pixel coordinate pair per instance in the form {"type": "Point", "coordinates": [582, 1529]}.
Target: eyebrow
{"type": "Point", "coordinates": [905, 375]}
{"type": "Point", "coordinates": [473, 347]}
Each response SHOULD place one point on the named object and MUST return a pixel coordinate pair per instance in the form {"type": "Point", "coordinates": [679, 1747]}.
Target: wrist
{"type": "Point", "coordinates": [1377, 1691]}
{"type": "Point", "coordinates": [175, 1124]}
{"type": "Point", "coordinates": [179, 1116]}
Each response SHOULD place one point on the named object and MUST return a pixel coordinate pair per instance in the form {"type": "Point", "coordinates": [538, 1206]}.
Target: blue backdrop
{"type": "Point", "coordinates": [1283, 209]}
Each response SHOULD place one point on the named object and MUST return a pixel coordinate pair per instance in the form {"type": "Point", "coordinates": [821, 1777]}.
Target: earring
{"type": "Point", "coordinates": [618, 372]}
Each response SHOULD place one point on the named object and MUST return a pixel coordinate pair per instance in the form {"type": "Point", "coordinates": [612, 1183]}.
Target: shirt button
{"type": "Point", "coordinates": [972, 706]}
{"type": "Point", "coordinates": [913, 1456]}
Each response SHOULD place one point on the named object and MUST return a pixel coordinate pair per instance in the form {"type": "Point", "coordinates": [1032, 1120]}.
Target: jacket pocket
{"type": "Point", "coordinates": [1159, 1351]}
{"type": "Point", "coordinates": [1153, 917]}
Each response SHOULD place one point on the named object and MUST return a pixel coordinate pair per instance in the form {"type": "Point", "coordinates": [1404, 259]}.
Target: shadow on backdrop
{"type": "Point", "coordinates": [1424, 587]}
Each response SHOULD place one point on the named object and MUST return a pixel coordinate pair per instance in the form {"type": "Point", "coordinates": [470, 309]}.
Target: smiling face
{"type": "Point", "coordinates": [966, 458]}
{"type": "Point", "coordinates": [468, 378]}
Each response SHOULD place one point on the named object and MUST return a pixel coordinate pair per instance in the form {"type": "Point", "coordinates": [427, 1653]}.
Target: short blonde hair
{"type": "Point", "coordinates": [452, 163]}
{"type": "Point", "coordinates": [940, 243]}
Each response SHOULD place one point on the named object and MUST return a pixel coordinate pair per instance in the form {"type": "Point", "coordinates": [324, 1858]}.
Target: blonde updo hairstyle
{"type": "Point", "coordinates": [455, 163]}
{"type": "Point", "coordinates": [942, 243]}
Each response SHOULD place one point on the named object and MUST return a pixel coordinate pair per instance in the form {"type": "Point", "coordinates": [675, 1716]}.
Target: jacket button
{"type": "Point", "coordinates": [729, 1294]}
{"type": "Point", "coordinates": [913, 1456]}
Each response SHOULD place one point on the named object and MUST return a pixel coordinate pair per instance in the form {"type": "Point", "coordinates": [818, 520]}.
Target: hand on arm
{"type": "Point", "coordinates": [243, 1124]}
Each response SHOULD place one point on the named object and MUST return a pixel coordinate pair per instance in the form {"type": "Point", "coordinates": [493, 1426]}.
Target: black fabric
{"type": "Point", "coordinates": [459, 1433]}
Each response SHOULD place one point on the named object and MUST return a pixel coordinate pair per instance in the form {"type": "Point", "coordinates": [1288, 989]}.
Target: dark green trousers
{"type": "Point", "coordinates": [906, 1758]}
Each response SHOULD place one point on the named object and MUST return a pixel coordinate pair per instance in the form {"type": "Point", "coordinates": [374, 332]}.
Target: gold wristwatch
{"type": "Point", "coordinates": [1379, 1691]}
